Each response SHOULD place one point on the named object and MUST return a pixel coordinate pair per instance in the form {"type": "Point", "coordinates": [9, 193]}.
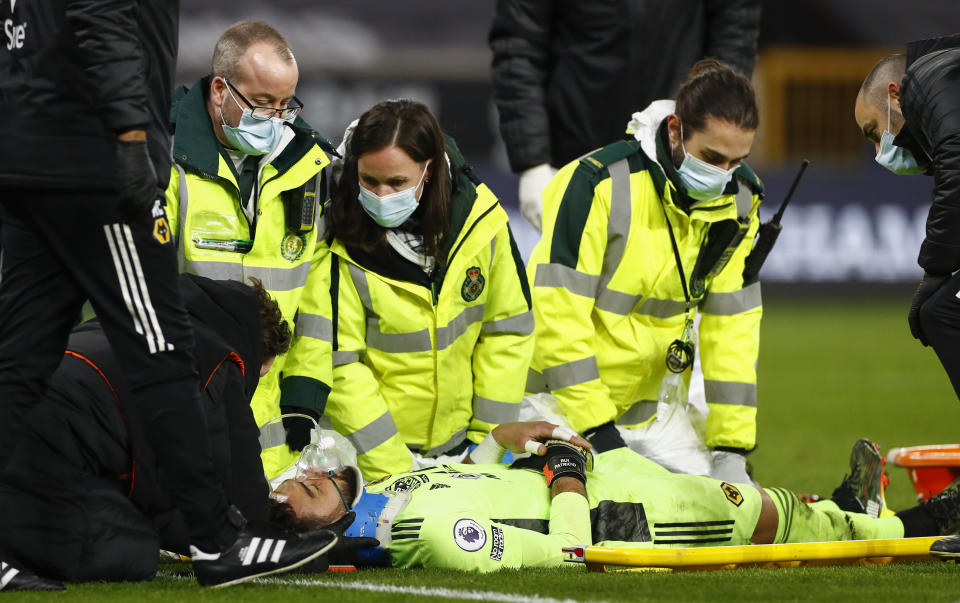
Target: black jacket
{"type": "Point", "coordinates": [568, 74]}
{"type": "Point", "coordinates": [930, 101]}
{"type": "Point", "coordinates": [85, 70]}
{"type": "Point", "coordinates": [91, 502]}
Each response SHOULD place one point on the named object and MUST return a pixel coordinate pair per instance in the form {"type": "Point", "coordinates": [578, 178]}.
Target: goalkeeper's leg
{"type": "Point", "coordinates": [824, 521]}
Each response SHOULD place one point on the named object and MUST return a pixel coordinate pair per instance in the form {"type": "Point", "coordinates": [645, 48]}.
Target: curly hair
{"type": "Point", "coordinates": [276, 331]}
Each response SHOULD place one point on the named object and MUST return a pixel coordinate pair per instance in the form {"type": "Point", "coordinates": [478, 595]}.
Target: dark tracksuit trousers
{"type": "Point", "coordinates": [62, 247]}
{"type": "Point", "coordinates": [940, 321]}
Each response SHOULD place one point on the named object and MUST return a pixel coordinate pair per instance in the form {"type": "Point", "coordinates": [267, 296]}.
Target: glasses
{"type": "Point", "coordinates": [264, 113]}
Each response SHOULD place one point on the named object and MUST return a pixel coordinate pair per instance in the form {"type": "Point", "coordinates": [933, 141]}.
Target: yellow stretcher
{"type": "Point", "coordinates": [852, 552]}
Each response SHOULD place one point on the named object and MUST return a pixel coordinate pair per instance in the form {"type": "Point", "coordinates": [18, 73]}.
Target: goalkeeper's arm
{"type": "Point", "coordinates": [565, 471]}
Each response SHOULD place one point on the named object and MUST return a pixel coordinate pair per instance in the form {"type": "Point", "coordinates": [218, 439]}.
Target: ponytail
{"type": "Point", "coordinates": [713, 88]}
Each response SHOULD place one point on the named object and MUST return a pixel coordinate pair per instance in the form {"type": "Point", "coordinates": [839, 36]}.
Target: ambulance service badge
{"type": "Point", "coordinates": [473, 284]}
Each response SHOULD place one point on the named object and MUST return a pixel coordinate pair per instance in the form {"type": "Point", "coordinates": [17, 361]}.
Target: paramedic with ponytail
{"type": "Point", "coordinates": [433, 328]}
{"type": "Point", "coordinates": [639, 237]}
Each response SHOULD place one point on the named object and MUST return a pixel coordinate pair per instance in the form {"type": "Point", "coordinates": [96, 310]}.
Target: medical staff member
{"type": "Point", "coordinates": [244, 201]}
{"type": "Point", "coordinates": [433, 329]}
{"type": "Point", "coordinates": [638, 238]}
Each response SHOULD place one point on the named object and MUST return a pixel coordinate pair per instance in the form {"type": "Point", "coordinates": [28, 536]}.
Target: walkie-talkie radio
{"type": "Point", "coordinates": [768, 233]}
{"type": "Point", "coordinates": [301, 205]}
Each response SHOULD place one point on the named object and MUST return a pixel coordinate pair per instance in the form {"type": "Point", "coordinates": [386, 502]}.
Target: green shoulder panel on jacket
{"type": "Point", "coordinates": [194, 142]}
{"type": "Point", "coordinates": [745, 173]}
{"type": "Point", "coordinates": [578, 199]}
{"type": "Point", "coordinates": [463, 193]}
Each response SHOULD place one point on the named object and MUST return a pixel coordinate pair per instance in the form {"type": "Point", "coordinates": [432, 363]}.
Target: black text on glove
{"type": "Point", "coordinates": [564, 460]}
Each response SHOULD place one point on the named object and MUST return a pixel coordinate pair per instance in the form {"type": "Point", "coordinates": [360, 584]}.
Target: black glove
{"type": "Point", "coordinates": [927, 287]}
{"type": "Point", "coordinates": [298, 429]}
{"type": "Point", "coordinates": [139, 187]}
{"type": "Point", "coordinates": [347, 550]}
{"type": "Point", "coordinates": [563, 459]}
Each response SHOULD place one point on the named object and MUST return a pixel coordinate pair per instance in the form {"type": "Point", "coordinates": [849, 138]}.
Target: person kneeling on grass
{"type": "Point", "coordinates": [484, 517]}
{"type": "Point", "coordinates": [91, 500]}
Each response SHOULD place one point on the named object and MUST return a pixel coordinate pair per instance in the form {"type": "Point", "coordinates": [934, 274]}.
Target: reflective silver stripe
{"type": "Point", "coordinates": [280, 279]}
{"type": "Point", "coordinates": [616, 301]}
{"type": "Point", "coordinates": [574, 281]}
{"type": "Point", "coordinates": [394, 343]}
{"type": "Point", "coordinates": [274, 279]}
{"type": "Point", "coordinates": [735, 302]}
{"type": "Point", "coordinates": [571, 373]}
{"type": "Point", "coordinates": [493, 248]}
{"type": "Point", "coordinates": [314, 325]}
{"type": "Point", "coordinates": [730, 392]}
{"type": "Point", "coordinates": [183, 194]}
{"type": "Point", "coordinates": [272, 435]}
{"type": "Point", "coordinates": [618, 224]}
{"type": "Point", "coordinates": [359, 278]}
{"type": "Point", "coordinates": [446, 335]}
{"type": "Point", "coordinates": [661, 308]}
{"type": "Point", "coordinates": [743, 198]}
{"type": "Point", "coordinates": [226, 271]}
{"type": "Point", "coordinates": [618, 230]}
{"type": "Point", "coordinates": [638, 413]}
{"type": "Point", "coordinates": [494, 411]}
{"type": "Point", "coordinates": [521, 323]}
{"type": "Point", "coordinates": [454, 441]}
{"type": "Point", "coordinates": [536, 384]}
{"type": "Point", "coordinates": [416, 341]}
{"type": "Point", "coordinates": [373, 434]}
{"type": "Point", "coordinates": [341, 358]}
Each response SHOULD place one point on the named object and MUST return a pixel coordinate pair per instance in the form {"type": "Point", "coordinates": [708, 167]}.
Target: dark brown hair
{"type": "Point", "coordinates": [410, 126]}
{"type": "Point", "coordinates": [235, 41]}
{"type": "Point", "coordinates": [713, 88]}
{"type": "Point", "coordinates": [276, 331]}
{"type": "Point", "coordinates": [282, 514]}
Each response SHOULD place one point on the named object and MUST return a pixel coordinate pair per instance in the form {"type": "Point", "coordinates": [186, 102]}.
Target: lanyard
{"type": "Point", "coordinates": [680, 353]}
{"type": "Point", "coordinates": [676, 255]}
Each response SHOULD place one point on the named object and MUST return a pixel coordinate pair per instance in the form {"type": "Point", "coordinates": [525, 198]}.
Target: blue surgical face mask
{"type": "Point", "coordinates": [252, 136]}
{"type": "Point", "coordinates": [391, 210]}
{"type": "Point", "coordinates": [898, 160]}
{"type": "Point", "coordinates": [704, 181]}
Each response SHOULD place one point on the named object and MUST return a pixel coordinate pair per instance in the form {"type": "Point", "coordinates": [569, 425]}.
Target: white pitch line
{"type": "Point", "coordinates": [445, 593]}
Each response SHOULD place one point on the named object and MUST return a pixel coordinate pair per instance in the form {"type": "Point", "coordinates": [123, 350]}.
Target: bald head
{"type": "Point", "coordinates": [881, 84]}
{"type": "Point", "coordinates": [232, 47]}
{"type": "Point", "coordinates": [253, 66]}
{"type": "Point", "coordinates": [889, 69]}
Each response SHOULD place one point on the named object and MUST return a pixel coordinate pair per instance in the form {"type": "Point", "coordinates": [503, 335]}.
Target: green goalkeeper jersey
{"type": "Point", "coordinates": [485, 517]}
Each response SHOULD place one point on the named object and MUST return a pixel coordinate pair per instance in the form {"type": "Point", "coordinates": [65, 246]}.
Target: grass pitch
{"type": "Point", "coordinates": [830, 372]}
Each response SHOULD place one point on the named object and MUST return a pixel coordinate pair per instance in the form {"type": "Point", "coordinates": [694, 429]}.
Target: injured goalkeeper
{"type": "Point", "coordinates": [484, 517]}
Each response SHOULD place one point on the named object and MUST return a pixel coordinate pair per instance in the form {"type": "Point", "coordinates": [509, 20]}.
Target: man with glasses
{"type": "Point", "coordinates": [244, 200]}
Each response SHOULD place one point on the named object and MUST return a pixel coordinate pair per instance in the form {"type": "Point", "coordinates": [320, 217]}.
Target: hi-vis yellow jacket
{"type": "Point", "coordinates": [608, 300]}
{"type": "Point", "coordinates": [215, 239]}
{"type": "Point", "coordinates": [435, 364]}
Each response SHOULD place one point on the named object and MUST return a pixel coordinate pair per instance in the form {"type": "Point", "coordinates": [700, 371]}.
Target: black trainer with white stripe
{"type": "Point", "coordinates": [257, 553]}
{"type": "Point", "coordinates": [13, 578]}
